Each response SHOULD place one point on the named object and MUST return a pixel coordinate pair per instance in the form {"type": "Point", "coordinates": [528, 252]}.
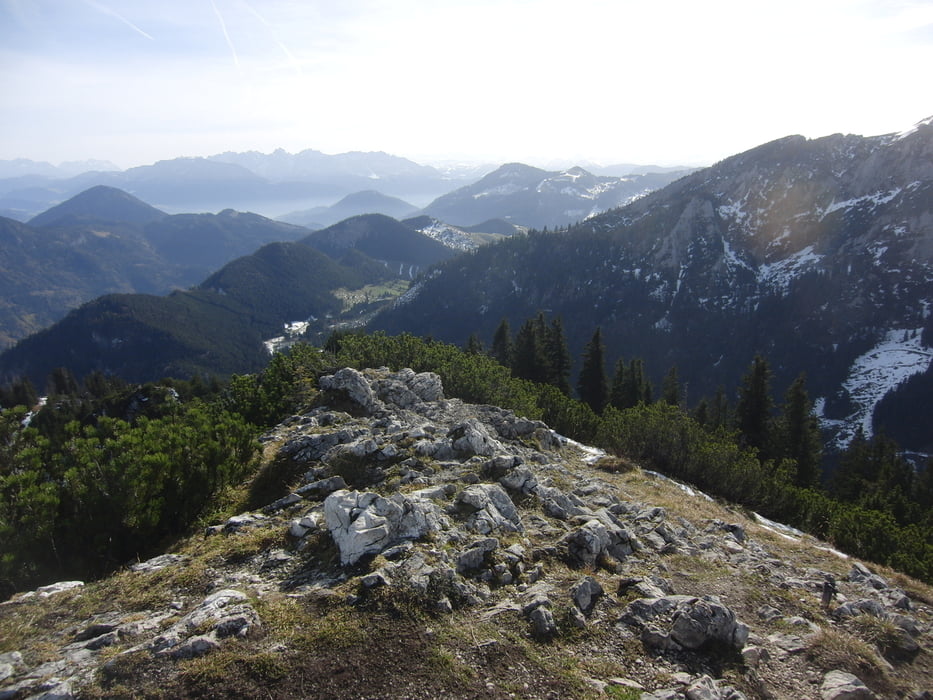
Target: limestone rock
{"type": "Point", "coordinates": [225, 613]}
{"type": "Point", "coordinates": [520, 480]}
{"type": "Point", "coordinates": [55, 588]}
{"type": "Point", "coordinates": [690, 623]}
{"type": "Point", "coordinates": [542, 623]}
{"type": "Point", "coordinates": [860, 607]}
{"type": "Point", "coordinates": [158, 563]}
{"type": "Point", "coordinates": [839, 685]}
{"type": "Point", "coordinates": [587, 544]}
{"type": "Point", "coordinates": [706, 688]}
{"type": "Point", "coordinates": [473, 558]}
{"type": "Point", "coordinates": [861, 574]}
{"type": "Point", "coordinates": [586, 593]}
{"type": "Point", "coordinates": [322, 488]}
{"type": "Point", "coordinates": [367, 523]}
{"type": "Point", "coordinates": [405, 388]}
{"type": "Point", "coordinates": [352, 385]}
{"type": "Point", "coordinates": [471, 438]}
{"type": "Point", "coordinates": [489, 509]}
{"type": "Point", "coordinates": [706, 621]}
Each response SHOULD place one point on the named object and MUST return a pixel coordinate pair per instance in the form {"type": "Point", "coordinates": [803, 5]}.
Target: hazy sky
{"type": "Point", "coordinates": [653, 81]}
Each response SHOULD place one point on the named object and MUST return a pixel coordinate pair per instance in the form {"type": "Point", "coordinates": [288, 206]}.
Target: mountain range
{"type": "Point", "coordinates": [272, 184]}
{"type": "Point", "coordinates": [103, 241]}
{"type": "Point", "coordinates": [817, 254]}
{"type": "Point", "coordinates": [338, 275]}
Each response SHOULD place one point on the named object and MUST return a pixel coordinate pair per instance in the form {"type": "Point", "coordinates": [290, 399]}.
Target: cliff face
{"type": "Point", "coordinates": [431, 548]}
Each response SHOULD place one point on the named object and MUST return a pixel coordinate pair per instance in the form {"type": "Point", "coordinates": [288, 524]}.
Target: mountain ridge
{"type": "Point", "coordinates": [485, 550]}
{"type": "Point", "coordinates": [539, 198]}
{"type": "Point", "coordinates": [807, 251]}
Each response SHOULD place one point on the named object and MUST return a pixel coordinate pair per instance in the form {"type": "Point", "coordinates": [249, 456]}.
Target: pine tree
{"type": "Point", "coordinates": [753, 410]}
{"type": "Point", "coordinates": [62, 382]}
{"type": "Point", "coordinates": [670, 388]}
{"type": "Point", "coordinates": [502, 347]}
{"type": "Point", "coordinates": [798, 434]}
{"type": "Point", "coordinates": [528, 358]}
{"type": "Point", "coordinates": [855, 468]}
{"type": "Point", "coordinates": [617, 388]}
{"type": "Point", "coordinates": [559, 362]}
{"type": "Point", "coordinates": [633, 385]}
{"type": "Point", "coordinates": [592, 385]}
{"type": "Point", "coordinates": [719, 410]}
{"type": "Point", "coordinates": [473, 345]}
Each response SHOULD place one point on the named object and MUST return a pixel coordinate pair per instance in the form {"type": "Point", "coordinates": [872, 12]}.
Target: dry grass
{"type": "Point", "coordinates": [831, 649]}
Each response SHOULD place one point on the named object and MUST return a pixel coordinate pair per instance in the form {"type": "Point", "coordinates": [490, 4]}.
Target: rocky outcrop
{"type": "Point", "coordinates": [484, 519]}
{"type": "Point", "coordinates": [367, 523]}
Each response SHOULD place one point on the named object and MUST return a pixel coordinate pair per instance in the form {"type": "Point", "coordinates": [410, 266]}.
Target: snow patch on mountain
{"type": "Point", "coordinates": [915, 128]}
{"type": "Point", "coordinates": [733, 210]}
{"type": "Point", "coordinates": [450, 236]}
{"type": "Point", "coordinates": [873, 200]}
{"type": "Point", "coordinates": [898, 356]}
{"type": "Point", "coordinates": [730, 257]}
{"type": "Point", "coordinates": [778, 275]}
{"type": "Point", "coordinates": [501, 190]}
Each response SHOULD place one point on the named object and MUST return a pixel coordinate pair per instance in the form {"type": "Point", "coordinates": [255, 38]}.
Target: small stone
{"type": "Point", "coordinates": [586, 593]}
{"type": "Point", "coordinates": [542, 621]}
{"type": "Point", "coordinates": [754, 656]}
{"type": "Point", "coordinates": [576, 618]}
{"type": "Point", "coordinates": [839, 685]}
{"type": "Point", "coordinates": [376, 579]}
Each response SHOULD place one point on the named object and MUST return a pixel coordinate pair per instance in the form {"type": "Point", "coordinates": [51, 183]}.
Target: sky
{"type": "Point", "coordinates": [667, 82]}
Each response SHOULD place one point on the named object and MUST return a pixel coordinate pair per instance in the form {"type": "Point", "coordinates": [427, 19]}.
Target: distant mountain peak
{"type": "Point", "coordinates": [533, 197]}
{"type": "Point", "coordinates": [103, 203]}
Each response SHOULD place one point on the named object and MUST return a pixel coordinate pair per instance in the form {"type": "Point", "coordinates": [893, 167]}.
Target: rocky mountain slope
{"type": "Point", "coordinates": [538, 198]}
{"type": "Point", "coordinates": [401, 544]}
{"type": "Point", "coordinates": [816, 253]}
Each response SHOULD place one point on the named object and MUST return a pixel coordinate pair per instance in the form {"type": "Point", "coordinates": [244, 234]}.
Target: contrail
{"type": "Point", "coordinates": [112, 13]}
{"type": "Point", "coordinates": [288, 54]}
{"type": "Point", "coordinates": [223, 26]}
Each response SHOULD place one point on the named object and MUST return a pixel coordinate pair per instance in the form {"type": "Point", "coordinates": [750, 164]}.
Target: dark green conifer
{"type": "Point", "coordinates": [528, 358]}
{"type": "Point", "coordinates": [474, 345]}
{"type": "Point", "coordinates": [753, 410]}
{"type": "Point", "coordinates": [617, 388]}
{"type": "Point", "coordinates": [559, 362]}
{"type": "Point", "coordinates": [671, 392]}
{"type": "Point", "coordinates": [592, 385]}
{"type": "Point", "coordinates": [502, 348]}
{"type": "Point", "coordinates": [798, 434]}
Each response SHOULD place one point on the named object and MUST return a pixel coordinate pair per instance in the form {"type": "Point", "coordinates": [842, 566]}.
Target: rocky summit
{"type": "Point", "coordinates": [405, 545]}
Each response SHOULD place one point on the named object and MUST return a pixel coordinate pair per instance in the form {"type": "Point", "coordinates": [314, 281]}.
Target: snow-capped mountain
{"type": "Point", "coordinates": [534, 197]}
{"type": "Point", "coordinates": [816, 253]}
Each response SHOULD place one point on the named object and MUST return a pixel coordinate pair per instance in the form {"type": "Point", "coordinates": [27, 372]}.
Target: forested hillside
{"type": "Point", "coordinates": [813, 253]}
